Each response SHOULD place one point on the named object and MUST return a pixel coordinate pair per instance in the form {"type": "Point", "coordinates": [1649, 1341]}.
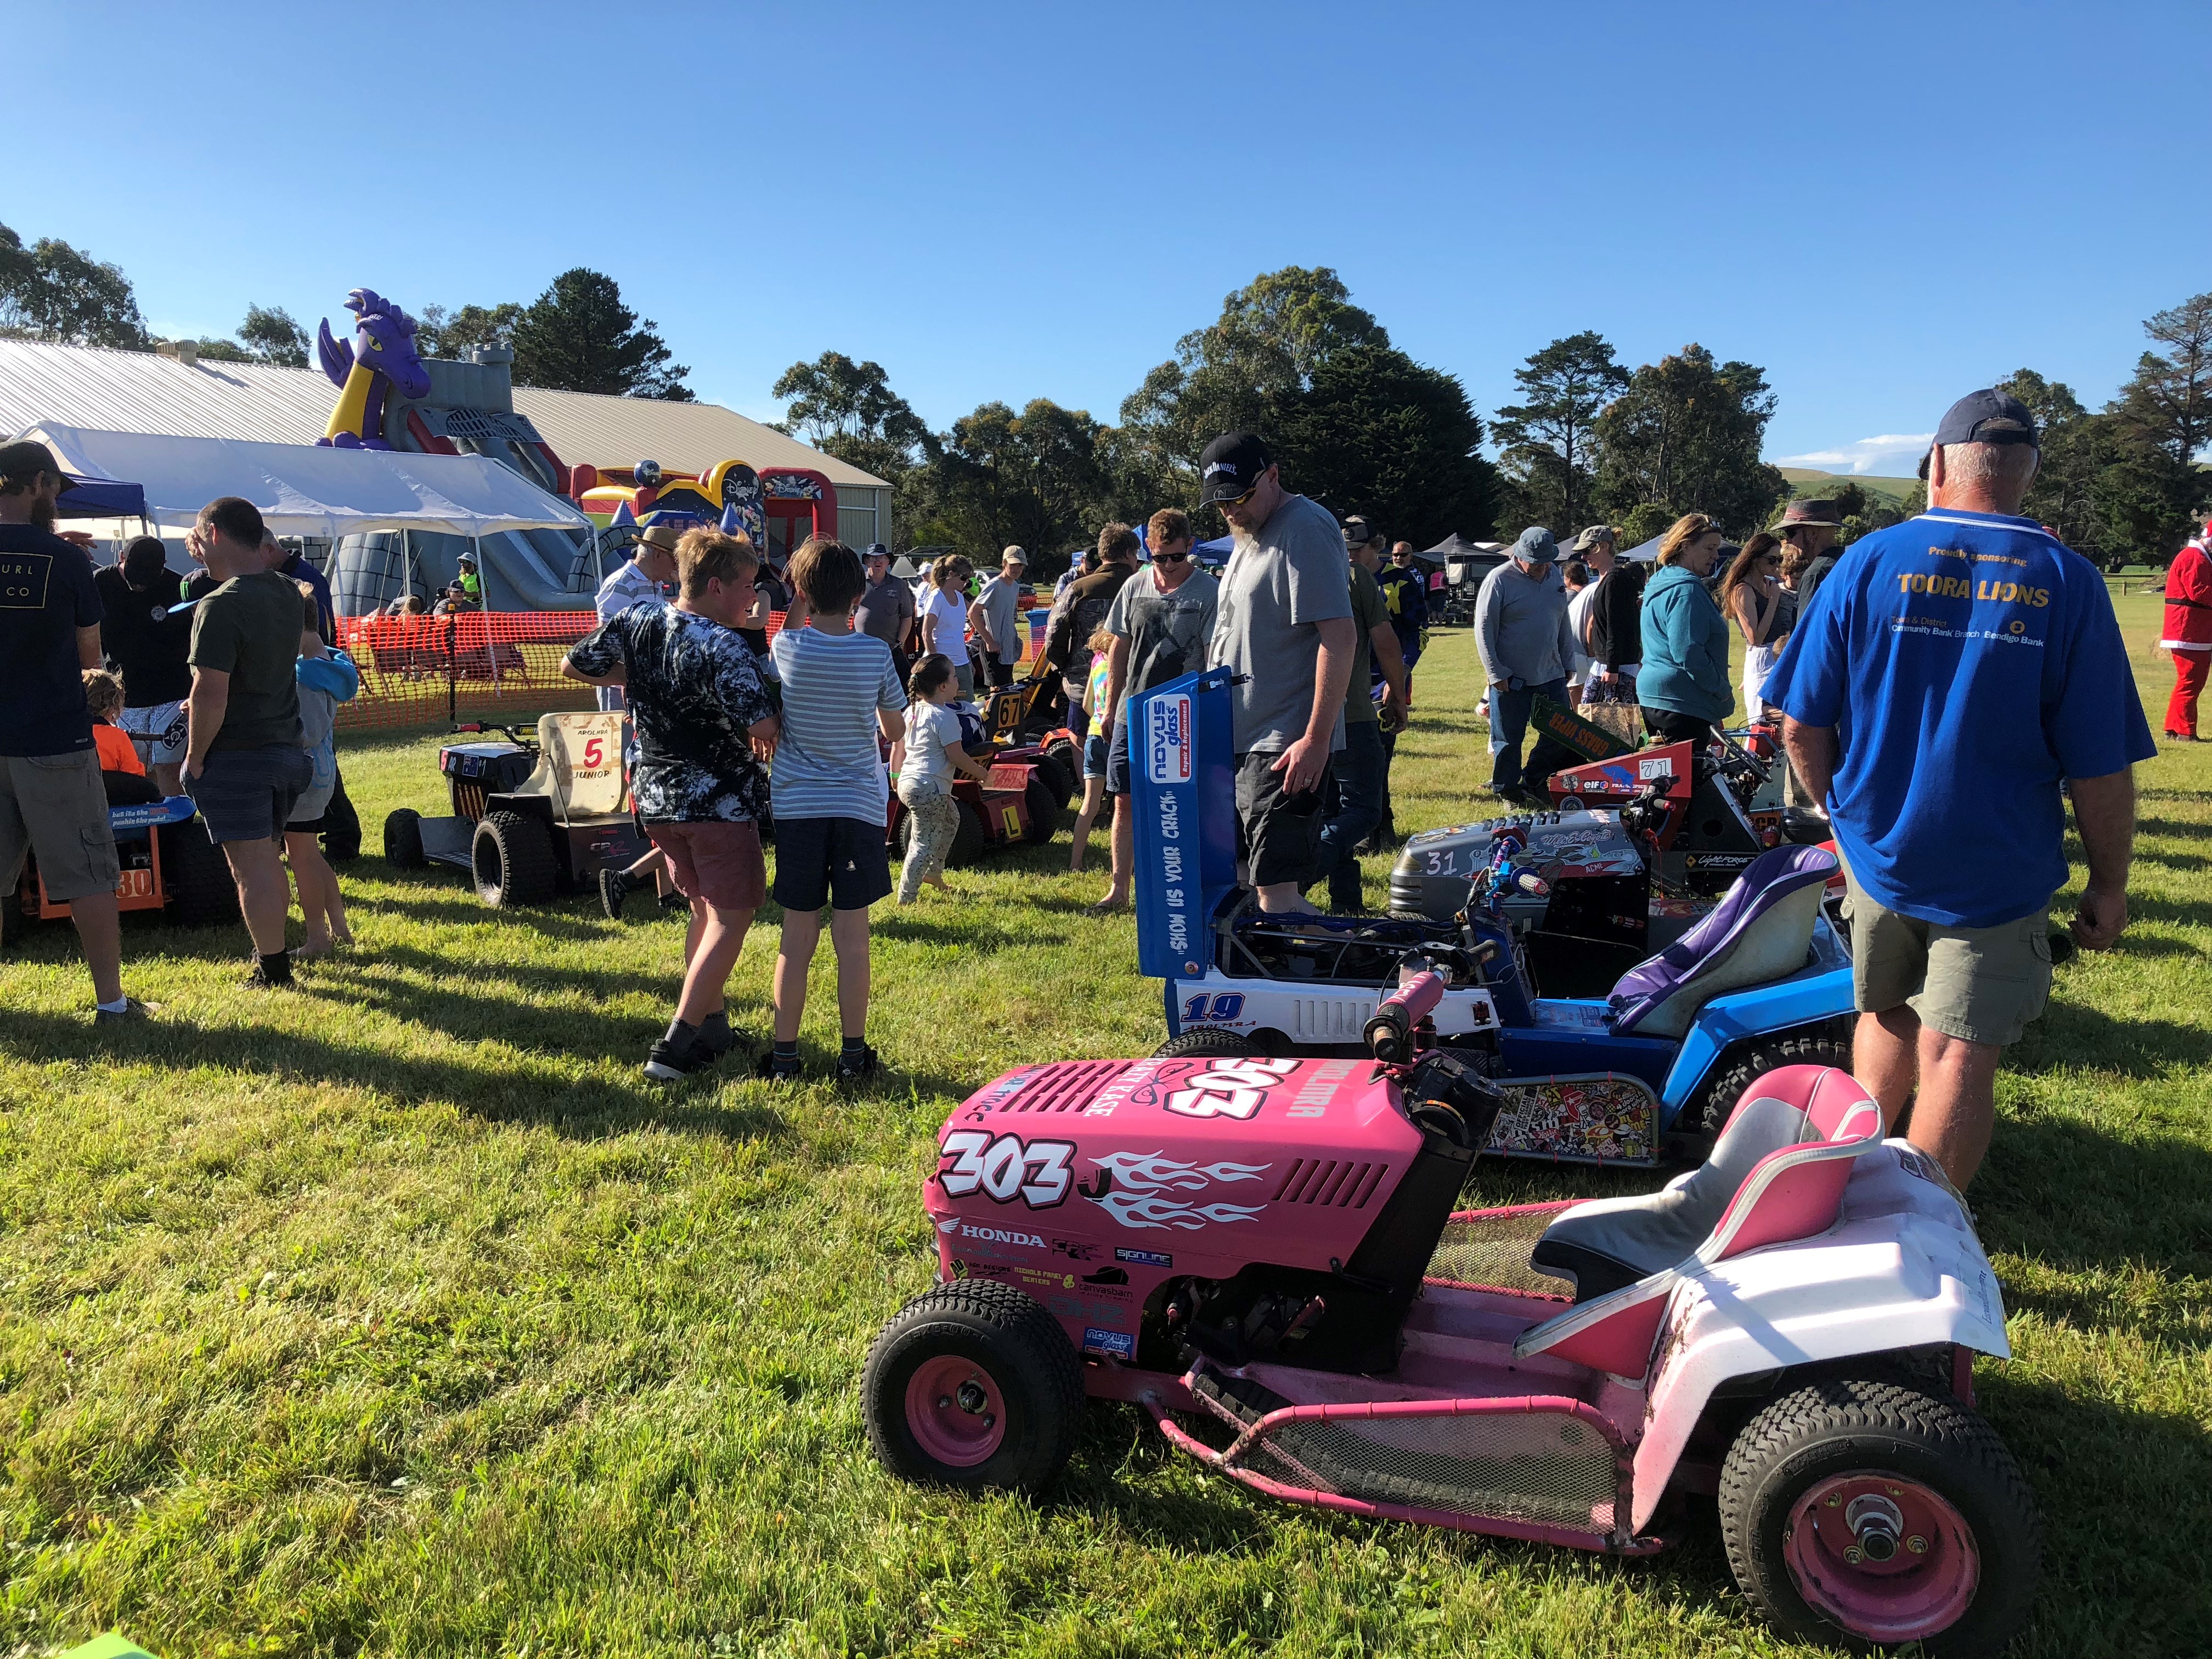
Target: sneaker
{"type": "Point", "coordinates": [260, 979]}
{"type": "Point", "coordinates": [614, 888]}
{"type": "Point", "coordinates": [859, 1068]}
{"type": "Point", "coordinates": [131, 1009]}
{"type": "Point", "coordinates": [778, 1068]}
{"type": "Point", "coordinates": [718, 1038]}
{"type": "Point", "coordinates": [667, 1063]}
{"type": "Point", "coordinates": [672, 900]}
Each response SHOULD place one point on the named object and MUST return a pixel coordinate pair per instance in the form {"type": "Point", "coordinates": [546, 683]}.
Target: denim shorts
{"type": "Point", "coordinates": [1093, 756]}
{"type": "Point", "coordinates": [248, 794]}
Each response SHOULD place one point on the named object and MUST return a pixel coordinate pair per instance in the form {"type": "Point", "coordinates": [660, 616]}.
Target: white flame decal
{"type": "Point", "coordinates": [1143, 1185]}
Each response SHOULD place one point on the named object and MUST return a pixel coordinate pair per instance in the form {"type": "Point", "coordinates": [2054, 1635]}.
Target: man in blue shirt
{"type": "Point", "coordinates": [1952, 674]}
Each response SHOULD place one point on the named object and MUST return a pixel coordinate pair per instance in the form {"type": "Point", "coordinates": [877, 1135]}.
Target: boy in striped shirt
{"type": "Point", "coordinates": [839, 691]}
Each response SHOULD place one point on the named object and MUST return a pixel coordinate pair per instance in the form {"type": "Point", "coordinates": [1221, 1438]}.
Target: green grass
{"type": "Point", "coordinates": [398, 1315]}
{"type": "Point", "coordinates": [1894, 491]}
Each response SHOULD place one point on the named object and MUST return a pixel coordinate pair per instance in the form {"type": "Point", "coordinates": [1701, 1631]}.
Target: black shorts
{"type": "Point", "coordinates": [246, 794]}
{"type": "Point", "coordinates": [842, 862]}
{"type": "Point", "coordinates": [1279, 834]}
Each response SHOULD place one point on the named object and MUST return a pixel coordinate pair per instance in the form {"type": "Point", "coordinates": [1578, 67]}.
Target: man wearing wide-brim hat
{"type": "Point", "coordinates": [1812, 525]}
{"type": "Point", "coordinates": [642, 577]}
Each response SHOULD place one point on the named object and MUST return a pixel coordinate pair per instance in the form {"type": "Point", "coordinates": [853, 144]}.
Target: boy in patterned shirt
{"type": "Point", "coordinates": [705, 728]}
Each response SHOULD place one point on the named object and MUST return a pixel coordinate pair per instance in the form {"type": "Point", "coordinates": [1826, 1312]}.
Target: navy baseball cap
{"type": "Point", "coordinates": [1988, 416]}
{"type": "Point", "coordinates": [1232, 463]}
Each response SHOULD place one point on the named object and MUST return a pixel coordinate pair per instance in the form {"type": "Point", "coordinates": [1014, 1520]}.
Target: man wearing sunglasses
{"type": "Point", "coordinates": [1285, 626]}
{"type": "Point", "coordinates": [1162, 622]}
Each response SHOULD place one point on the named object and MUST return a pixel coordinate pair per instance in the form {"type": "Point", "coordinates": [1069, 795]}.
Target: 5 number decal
{"type": "Point", "coordinates": [595, 753]}
{"type": "Point", "coordinates": [1004, 1169]}
{"type": "Point", "coordinates": [1230, 1088]}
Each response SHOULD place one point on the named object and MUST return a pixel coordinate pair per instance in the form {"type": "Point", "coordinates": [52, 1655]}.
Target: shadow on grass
{"type": "Point", "coordinates": [2179, 829]}
{"type": "Point", "coordinates": [518, 1091]}
{"type": "Point", "coordinates": [2071, 1034]}
{"type": "Point", "coordinates": [2081, 1200]}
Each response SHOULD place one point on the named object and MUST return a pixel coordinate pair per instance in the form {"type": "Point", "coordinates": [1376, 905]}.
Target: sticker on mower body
{"type": "Point", "coordinates": [1120, 1344]}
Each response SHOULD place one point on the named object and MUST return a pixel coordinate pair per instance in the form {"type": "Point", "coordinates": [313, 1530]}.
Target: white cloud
{"type": "Point", "coordinates": [1892, 454]}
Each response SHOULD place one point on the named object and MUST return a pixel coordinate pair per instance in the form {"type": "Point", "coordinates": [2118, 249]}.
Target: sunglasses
{"type": "Point", "coordinates": [1169, 558]}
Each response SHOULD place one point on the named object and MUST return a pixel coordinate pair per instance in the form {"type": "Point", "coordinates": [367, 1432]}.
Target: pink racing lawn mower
{"type": "Point", "coordinates": [1264, 1255]}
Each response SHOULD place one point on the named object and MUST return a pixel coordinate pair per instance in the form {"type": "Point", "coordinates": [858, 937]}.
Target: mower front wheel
{"type": "Point", "coordinates": [512, 858]}
{"type": "Point", "coordinates": [1057, 778]}
{"type": "Point", "coordinates": [974, 1385]}
{"type": "Point", "coordinates": [1207, 1042]}
{"type": "Point", "coordinates": [403, 840]}
{"type": "Point", "coordinates": [1043, 811]}
{"type": "Point", "coordinates": [1862, 1509]}
{"type": "Point", "coordinates": [203, 892]}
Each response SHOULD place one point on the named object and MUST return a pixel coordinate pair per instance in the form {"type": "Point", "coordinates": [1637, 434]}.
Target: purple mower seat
{"type": "Point", "coordinates": [1760, 931]}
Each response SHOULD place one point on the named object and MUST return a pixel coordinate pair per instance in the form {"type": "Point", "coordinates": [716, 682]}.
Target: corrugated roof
{"type": "Point", "coordinates": [110, 391]}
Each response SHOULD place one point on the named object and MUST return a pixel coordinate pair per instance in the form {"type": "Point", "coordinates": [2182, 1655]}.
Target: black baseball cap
{"type": "Point", "coordinates": [1359, 531]}
{"type": "Point", "coordinates": [1987, 417]}
{"type": "Point", "coordinates": [1232, 463]}
{"type": "Point", "coordinates": [28, 460]}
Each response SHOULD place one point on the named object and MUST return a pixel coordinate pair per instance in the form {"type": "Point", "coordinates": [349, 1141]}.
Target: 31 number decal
{"type": "Point", "coordinates": [1005, 1169]}
{"type": "Point", "coordinates": [1230, 1088]}
{"type": "Point", "coordinates": [1222, 1004]}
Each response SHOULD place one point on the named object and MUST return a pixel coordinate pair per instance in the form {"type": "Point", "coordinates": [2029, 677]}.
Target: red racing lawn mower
{"type": "Point", "coordinates": [1265, 1255]}
{"type": "Point", "coordinates": [1033, 777]}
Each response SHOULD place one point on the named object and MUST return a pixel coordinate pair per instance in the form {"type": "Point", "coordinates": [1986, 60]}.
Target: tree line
{"type": "Point", "coordinates": [1357, 422]}
{"type": "Point", "coordinates": [577, 336]}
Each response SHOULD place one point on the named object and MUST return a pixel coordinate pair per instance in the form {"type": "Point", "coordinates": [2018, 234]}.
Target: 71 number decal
{"type": "Point", "coordinates": [1005, 1169]}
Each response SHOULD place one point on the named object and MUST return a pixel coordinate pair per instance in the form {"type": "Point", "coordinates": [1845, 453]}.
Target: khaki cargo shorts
{"type": "Point", "coordinates": [1978, 984]}
{"type": "Point", "coordinates": [55, 805]}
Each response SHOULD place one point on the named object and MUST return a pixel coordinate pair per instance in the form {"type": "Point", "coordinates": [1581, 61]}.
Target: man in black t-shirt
{"type": "Point", "coordinates": [244, 767]}
{"type": "Point", "coordinates": [52, 801]}
{"type": "Point", "coordinates": [146, 646]}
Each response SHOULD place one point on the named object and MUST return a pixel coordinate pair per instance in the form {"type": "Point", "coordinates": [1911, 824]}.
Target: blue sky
{"type": "Point", "coordinates": [1884, 205]}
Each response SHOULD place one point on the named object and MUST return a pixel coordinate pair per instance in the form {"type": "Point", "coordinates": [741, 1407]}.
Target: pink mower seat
{"type": "Point", "coordinates": [1777, 1174]}
{"type": "Point", "coordinates": [1760, 931]}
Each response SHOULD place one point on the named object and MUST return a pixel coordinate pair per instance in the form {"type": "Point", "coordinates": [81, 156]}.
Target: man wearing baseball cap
{"type": "Point", "coordinates": [1521, 631]}
{"type": "Point", "coordinates": [1283, 625]}
{"type": "Point", "coordinates": [998, 615]}
{"type": "Point", "coordinates": [50, 798]}
{"type": "Point", "coordinates": [1955, 676]}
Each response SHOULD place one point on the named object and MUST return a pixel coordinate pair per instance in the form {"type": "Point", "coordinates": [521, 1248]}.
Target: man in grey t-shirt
{"type": "Point", "coordinates": [998, 611]}
{"type": "Point", "coordinates": [1285, 623]}
{"type": "Point", "coordinates": [886, 609]}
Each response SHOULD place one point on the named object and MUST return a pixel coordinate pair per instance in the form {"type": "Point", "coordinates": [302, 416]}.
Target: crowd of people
{"type": "Point", "coordinates": [1899, 672]}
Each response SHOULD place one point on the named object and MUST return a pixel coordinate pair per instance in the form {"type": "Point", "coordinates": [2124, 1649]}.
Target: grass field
{"type": "Point", "coordinates": [1892, 490]}
{"type": "Point", "coordinates": [398, 1315]}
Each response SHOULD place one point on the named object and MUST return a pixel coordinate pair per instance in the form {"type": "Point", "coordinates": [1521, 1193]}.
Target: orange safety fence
{"type": "Point", "coordinates": [478, 664]}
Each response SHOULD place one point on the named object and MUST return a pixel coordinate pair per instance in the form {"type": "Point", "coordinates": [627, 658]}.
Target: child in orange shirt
{"type": "Point", "coordinates": [120, 766]}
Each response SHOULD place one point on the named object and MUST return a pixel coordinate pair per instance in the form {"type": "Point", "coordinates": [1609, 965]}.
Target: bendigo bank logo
{"type": "Point", "coordinates": [1167, 740]}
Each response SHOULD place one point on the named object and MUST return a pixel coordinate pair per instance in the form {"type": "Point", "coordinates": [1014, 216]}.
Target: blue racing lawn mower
{"type": "Point", "coordinates": [1641, 1068]}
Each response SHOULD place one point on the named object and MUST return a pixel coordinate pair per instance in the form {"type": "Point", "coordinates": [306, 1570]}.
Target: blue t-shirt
{"type": "Point", "coordinates": [47, 593]}
{"type": "Point", "coordinates": [827, 763]}
{"type": "Point", "coordinates": [1968, 662]}
{"type": "Point", "coordinates": [695, 688]}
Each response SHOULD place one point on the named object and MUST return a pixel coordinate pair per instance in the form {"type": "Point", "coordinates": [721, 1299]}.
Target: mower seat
{"type": "Point", "coordinates": [1761, 930]}
{"type": "Point", "coordinates": [579, 764]}
{"type": "Point", "coordinates": [1777, 1174]}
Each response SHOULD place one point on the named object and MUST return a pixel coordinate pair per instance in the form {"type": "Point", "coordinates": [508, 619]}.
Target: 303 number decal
{"type": "Point", "coordinates": [1230, 1088]}
{"type": "Point", "coordinates": [1005, 1168]}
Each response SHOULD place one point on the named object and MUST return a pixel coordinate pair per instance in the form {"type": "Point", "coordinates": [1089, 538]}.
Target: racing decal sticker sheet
{"type": "Point", "coordinates": [1608, 1118]}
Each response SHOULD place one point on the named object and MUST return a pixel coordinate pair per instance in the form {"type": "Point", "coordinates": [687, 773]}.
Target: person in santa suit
{"type": "Point", "coordinates": [2188, 631]}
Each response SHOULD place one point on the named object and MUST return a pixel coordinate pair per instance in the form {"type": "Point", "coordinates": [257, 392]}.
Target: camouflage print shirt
{"type": "Point", "coordinates": [693, 687]}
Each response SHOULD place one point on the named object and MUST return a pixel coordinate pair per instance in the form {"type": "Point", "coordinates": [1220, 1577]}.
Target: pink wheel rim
{"type": "Point", "coordinates": [1888, 1558]}
{"type": "Point", "coordinates": [955, 1410]}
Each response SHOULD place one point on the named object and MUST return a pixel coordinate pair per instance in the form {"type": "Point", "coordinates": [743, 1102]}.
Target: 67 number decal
{"type": "Point", "coordinates": [1005, 1168]}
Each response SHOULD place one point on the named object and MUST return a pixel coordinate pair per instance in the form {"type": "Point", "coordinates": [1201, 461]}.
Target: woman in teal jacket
{"type": "Point", "coordinates": [1684, 688]}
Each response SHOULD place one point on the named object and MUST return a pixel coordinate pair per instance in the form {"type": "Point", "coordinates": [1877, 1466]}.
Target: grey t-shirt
{"type": "Point", "coordinates": [886, 611]}
{"type": "Point", "coordinates": [1002, 605]}
{"type": "Point", "coordinates": [1169, 634]}
{"type": "Point", "coordinates": [1520, 625]}
{"type": "Point", "coordinates": [1276, 587]}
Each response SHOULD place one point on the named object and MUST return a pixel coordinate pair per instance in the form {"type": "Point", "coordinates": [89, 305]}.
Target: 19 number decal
{"type": "Point", "coordinates": [1222, 1004]}
{"type": "Point", "coordinates": [1004, 1169]}
{"type": "Point", "coordinates": [1230, 1088]}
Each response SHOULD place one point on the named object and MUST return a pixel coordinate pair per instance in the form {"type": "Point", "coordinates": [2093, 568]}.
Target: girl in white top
{"type": "Point", "coordinates": [932, 755]}
{"type": "Point", "coordinates": [944, 618]}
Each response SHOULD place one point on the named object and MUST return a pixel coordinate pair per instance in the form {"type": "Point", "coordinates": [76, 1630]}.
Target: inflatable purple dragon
{"type": "Point", "coordinates": [382, 355]}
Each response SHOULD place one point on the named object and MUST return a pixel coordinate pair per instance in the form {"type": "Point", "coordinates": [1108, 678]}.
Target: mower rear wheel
{"type": "Point", "coordinates": [973, 1385]}
{"type": "Point", "coordinates": [1207, 1042]}
{"type": "Point", "coordinates": [512, 857]}
{"type": "Point", "coordinates": [203, 893]}
{"type": "Point", "coordinates": [1860, 1508]}
{"type": "Point", "coordinates": [1820, 1047]}
{"type": "Point", "coordinates": [1057, 778]}
{"type": "Point", "coordinates": [1069, 758]}
{"type": "Point", "coordinates": [403, 839]}
{"type": "Point", "coordinates": [971, 840]}
{"type": "Point", "coordinates": [1043, 810]}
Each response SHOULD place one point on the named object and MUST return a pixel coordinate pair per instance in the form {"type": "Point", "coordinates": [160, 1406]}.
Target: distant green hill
{"type": "Point", "coordinates": [1894, 490]}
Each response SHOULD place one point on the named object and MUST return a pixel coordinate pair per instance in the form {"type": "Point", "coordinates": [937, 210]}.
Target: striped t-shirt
{"type": "Point", "coordinates": [827, 763]}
